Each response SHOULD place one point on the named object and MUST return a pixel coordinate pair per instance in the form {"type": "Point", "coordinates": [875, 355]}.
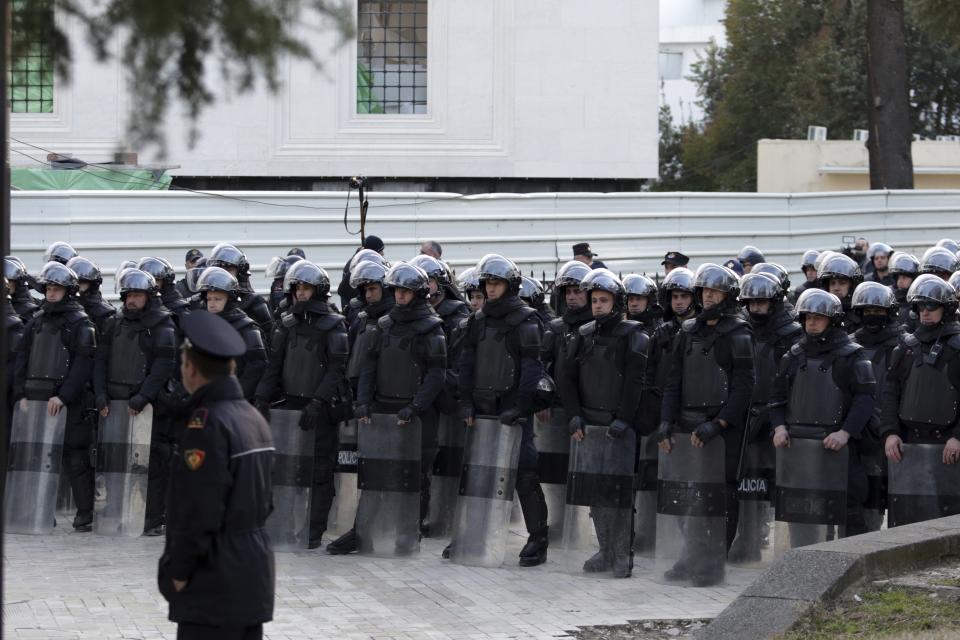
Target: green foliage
{"type": "Point", "coordinates": [790, 64]}
{"type": "Point", "coordinates": [169, 47]}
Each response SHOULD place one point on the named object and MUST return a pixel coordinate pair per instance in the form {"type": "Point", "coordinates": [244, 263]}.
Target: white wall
{"type": "Point", "coordinates": [631, 232]}
{"type": "Point", "coordinates": [518, 88]}
{"type": "Point", "coordinates": [686, 27]}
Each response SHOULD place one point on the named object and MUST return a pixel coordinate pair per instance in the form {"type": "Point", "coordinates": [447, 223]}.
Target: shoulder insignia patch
{"type": "Point", "coordinates": [193, 458]}
{"type": "Point", "coordinates": [198, 419]}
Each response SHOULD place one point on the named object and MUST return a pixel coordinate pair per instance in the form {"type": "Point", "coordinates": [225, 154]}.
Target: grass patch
{"type": "Point", "coordinates": [884, 612]}
{"type": "Point", "coordinates": [947, 582]}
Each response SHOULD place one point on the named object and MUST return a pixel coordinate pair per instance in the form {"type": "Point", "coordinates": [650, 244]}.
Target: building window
{"type": "Point", "coordinates": [30, 75]}
{"type": "Point", "coordinates": [392, 57]}
{"type": "Point", "coordinates": [671, 65]}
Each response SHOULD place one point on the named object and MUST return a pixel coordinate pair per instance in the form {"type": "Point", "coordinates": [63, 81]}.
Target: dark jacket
{"type": "Point", "coordinates": [219, 500]}
{"type": "Point", "coordinates": [183, 289]}
{"type": "Point", "coordinates": [24, 303]}
{"type": "Point", "coordinates": [250, 366]}
{"type": "Point", "coordinates": [772, 340]}
{"type": "Point", "coordinates": [97, 309]}
{"type": "Point", "coordinates": [157, 341]}
{"type": "Point", "coordinates": [253, 304]}
{"type": "Point", "coordinates": [659, 350]}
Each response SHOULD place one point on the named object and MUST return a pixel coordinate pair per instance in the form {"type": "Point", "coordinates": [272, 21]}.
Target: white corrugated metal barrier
{"type": "Point", "coordinates": [629, 231]}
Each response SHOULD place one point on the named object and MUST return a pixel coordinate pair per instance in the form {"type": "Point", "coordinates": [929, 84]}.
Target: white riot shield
{"type": "Point", "coordinates": [598, 516]}
{"type": "Point", "coordinates": [921, 486]}
{"type": "Point", "coordinates": [343, 511]}
{"type": "Point", "coordinates": [33, 468]}
{"type": "Point", "coordinates": [123, 459]}
{"type": "Point", "coordinates": [553, 459]}
{"type": "Point", "coordinates": [645, 505]}
{"type": "Point", "coordinates": [388, 475]}
{"type": "Point", "coordinates": [289, 523]}
{"type": "Point", "coordinates": [445, 485]}
{"type": "Point", "coordinates": [487, 483]}
{"type": "Point", "coordinates": [691, 513]}
{"type": "Point", "coordinates": [755, 491]}
{"type": "Point", "coordinates": [811, 494]}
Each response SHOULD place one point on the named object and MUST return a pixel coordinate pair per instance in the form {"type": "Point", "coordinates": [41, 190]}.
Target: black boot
{"type": "Point", "coordinates": [620, 533]}
{"type": "Point", "coordinates": [534, 507]}
{"type": "Point", "coordinates": [602, 560]}
{"type": "Point", "coordinates": [81, 483]}
{"type": "Point", "coordinates": [347, 543]}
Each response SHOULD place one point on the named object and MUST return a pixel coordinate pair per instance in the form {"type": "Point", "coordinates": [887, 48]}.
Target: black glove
{"type": "Point", "coordinates": [407, 414]}
{"type": "Point", "coordinates": [263, 407]}
{"type": "Point", "coordinates": [138, 402]}
{"type": "Point", "coordinates": [707, 431]}
{"type": "Point", "coordinates": [665, 432]}
{"type": "Point", "coordinates": [102, 403]}
{"type": "Point", "coordinates": [361, 411]}
{"type": "Point", "coordinates": [510, 416]}
{"type": "Point", "coordinates": [576, 423]}
{"type": "Point", "coordinates": [311, 416]}
{"type": "Point", "coordinates": [617, 428]}
{"type": "Point", "coordinates": [466, 412]}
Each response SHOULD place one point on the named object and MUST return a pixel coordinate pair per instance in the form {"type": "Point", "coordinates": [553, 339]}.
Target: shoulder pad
{"type": "Point", "coordinates": [86, 336]}
{"type": "Point", "coordinates": [385, 322]}
{"type": "Point", "coordinates": [362, 316]}
{"type": "Point", "coordinates": [788, 329]}
{"type": "Point", "coordinates": [638, 342]}
{"type": "Point", "coordinates": [626, 327]}
{"type": "Point", "coordinates": [288, 319]}
{"type": "Point", "coordinates": [558, 326]}
{"type": "Point", "coordinates": [529, 334]}
{"type": "Point", "coordinates": [588, 328]}
{"type": "Point", "coordinates": [796, 350]}
{"type": "Point", "coordinates": [849, 349]}
{"type": "Point", "coordinates": [242, 322]}
{"type": "Point", "coordinates": [954, 342]}
{"type": "Point", "coordinates": [519, 316]}
{"type": "Point", "coordinates": [156, 316]}
{"type": "Point", "coordinates": [329, 321]}
{"type": "Point", "coordinates": [426, 325]}
{"type": "Point", "coordinates": [75, 315]}
{"type": "Point", "coordinates": [464, 323]}
{"type": "Point", "coordinates": [911, 340]}
{"type": "Point", "coordinates": [741, 346]}
{"type": "Point", "coordinates": [252, 336]}
{"type": "Point", "coordinates": [689, 325]}
{"type": "Point", "coordinates": [337, 343]}
{"type": "Point", "coordinates": [436, 349]}
{"type": "Point", "coordinates": [355, 303]}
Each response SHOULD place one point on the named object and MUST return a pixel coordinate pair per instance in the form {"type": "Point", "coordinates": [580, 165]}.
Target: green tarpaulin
{"type": "Point", "coordinates": [88, 179]}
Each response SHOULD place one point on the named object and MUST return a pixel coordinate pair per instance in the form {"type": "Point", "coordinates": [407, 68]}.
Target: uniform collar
{"type": "Point", "coordinates": [226, 388]}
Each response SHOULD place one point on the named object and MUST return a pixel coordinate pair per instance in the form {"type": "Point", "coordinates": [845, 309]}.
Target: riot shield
{"type": "Point", "coordinates": [343, 511]}
{"type": "Point", "coordinates": [33, 470]}
{"type": "Point", "coordinates": [921, 486]}
{"type": "Point", "coordinates": [388, 476]}
{"type": "Point", "coordinates": [691, 513]}
{"type": "Point", "coordinates": [645, 506]}
{"type": "Point", "coordinates": [123, 458]}
{"type": "Point", "coordinates": [487, 482]}
{"type": "Point", "coordinates": [446, 475]}
{"type": "Point", "coordinates": [811, 494]}
{"type": "Point", "coordinates": [553, 458]}
{"type": "Point", "coordinates": [755, 491]}
{"type": "Point", "coordinates": [289, 523]}
{"type": "Point", "coordinates": [598, 516]}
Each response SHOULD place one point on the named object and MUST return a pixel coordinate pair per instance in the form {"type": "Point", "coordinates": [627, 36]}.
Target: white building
{"type": "Point", "coordinates": [465, 91]}
{"type": "Point", "coordinates": [686, 28]}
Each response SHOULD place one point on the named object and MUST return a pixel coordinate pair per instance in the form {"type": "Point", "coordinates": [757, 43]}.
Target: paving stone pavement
{"type": "Point", "coordinates": [68, 585]}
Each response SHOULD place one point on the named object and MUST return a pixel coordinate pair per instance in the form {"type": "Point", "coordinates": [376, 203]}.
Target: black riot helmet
{"type": "Point", "coordinates": [839, 266]}
{"type": "Point", "coordinates": [277, 267]}
{"type": "Point", "coordinates": [367, 273]}
{"type": "Point", "coordinates": [679, 279]}
{"type": "Point", "coordinates": [751, 254]}
{"type": "Point", "coordinates": [809, 259]}
{"type": "Point", "coordinates": [136, 280]}
{"type": "Point", "coordinates": [713, 276]}
{"type": "Point", "coordinates": [59, 252]}
{"type": "Point", "coordinates": [931, 289]}
{"type": "Point", "coordinates": [637, 285]}
{"type": "Point", "coordinates": [760, 286]}
{"type": "Point", "coordinates": [496, 267]}
{"type": "Point", "coordinates": [86, 271]}
{"type": "Point", "coordinates": [777, 271]}
{"type": "Point", "coordinates": [218, 279]}
{"type": "Point", "coordinates": [570, 274]}
{"type": "Point", "coordinates": [955, 281]}
{"type": "Point", "coordinates": [531, 292]}
{"type": "Point", "coordinates": [468, 280]}
{"type": "Point", "coordinates": [949, 245]}
{"type": "Point", "coordinates": [904, 264]}
{"type": "Point", "coordinates": [14, 270]}
{"type": "Point", "coordinates": [874, 294]}
{"type": "Point", "coordinates": [879, 249]}
{"type": "Point", "coordinates": [606, 280]}
{"type": "Point", "coordinates": [58, 273]}
{"type": "Point", "coordinates": [227, 255]}
{"type": "Point", "coordinates": [161, 270]}
{"type": "Point", "coordinates": [819, 302]}
{"type": "Point", "coordinates": [407, 276]}
{"type": "Point", "coordinates": [367, 255]}
{"type": "Point", "coordinates": [194, 274]}
{"type": "Point", "coordinates": [939, 261]}
{"type": "Point", "coordinates": [306, 272]}
{"type": "Point", "coordinates": [126, 264]}
{"type": "Point", "coordinates": [433, 268]}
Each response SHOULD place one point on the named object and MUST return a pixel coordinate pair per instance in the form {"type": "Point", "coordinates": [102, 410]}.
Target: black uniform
{"type": "Point", "coordinates": [307, 370]}
{"type": "Point", "coordinates": [251, 365]}
{"type": "Point", "coordinates": [136, 357]}
{"type": "Point", "coordinates": [14, 328]}
{"type": "Point", "coordinates": [828, 382]}
{"type": "Point", "coordinates": [905, 316]}
{"type": "Point", "coordinates": [256, 308]}
{"type": "Point", "coordinates": [174, 302]}
{"type": "Point", "coordinates": [56, 359]}
{"type": "Point", "coordinates": [800, 288]}
{"type": "Point", "coordinates": [218, 504]}
{"type": "Point", "coordinates": [183, 289]}
{"type": "Point", "coordinates": [887, 279]}
{"type": "Point", "coordinates": [23, 302]}
{"type": "Point", "coordinates": [97, 309]}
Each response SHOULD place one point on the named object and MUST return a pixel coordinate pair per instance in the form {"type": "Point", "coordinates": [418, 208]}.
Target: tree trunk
{"type": "Point", "coordinates": [891, 159]}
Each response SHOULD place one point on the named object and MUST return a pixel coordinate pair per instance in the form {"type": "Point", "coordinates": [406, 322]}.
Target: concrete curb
{"type": "Point", "coordinates": [804, 577]}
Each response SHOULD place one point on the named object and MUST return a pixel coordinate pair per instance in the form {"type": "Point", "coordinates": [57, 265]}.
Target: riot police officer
{"type": "Point", "coordinates": [807, 265]}
{"type": "Point", "coordinates": [904, 268]}
{"type": "Point", "coordinates": [779, 273]}
{"type": "Point", "coordinates": [59, 252]}
{"type": "Point", "coordinates": [135, 358]}
{"type": "Point", "coordinates": [228, 257]}
{"type": "Point", "coordinates": [602, 387]}
{"type": "Point", "coordinates": [470, 287]}
{"type": "Point", "coordinates": [707, 396]}
{"type": "Point", "coordinates": [840, 275]}
{"type": "Point", "coordinates": [823, 398]}
{"type": "Point", "coordinates": [219, 294]}
{"type": "Point", "coordinates": [190, 261]}
{"type": "Point", "coordinates": [642, 303]}
{"type": "Point", "coordinates": [500, 369]}
{"type": "Point", "coordinates": [402, 373]}
{"type": "Point", "coordinates": [774, 332]}
{"type": "Point", "coordinates": [164, 275]}
{"type": "Point", "coordinates": [368, 279]}
{"type": "Point", "coordinates": [940, 262]}
{"type": "Point", "coordinates": [18, 286]}
{"type": "Point", "coordinates": [308, 362]}
{"type": "Point", "coordinates": [275, 272]}
{"type": "Point", "coordinates": [443, 295]}
{"type": "Point", "coordinates": [879, 256]}
{"type": "Point", "coordinates": [919, 416]}
{"type": "Point", "coordinates": [55, 365]}
{"type": "Point", "coordinates": [14, 329]}
{"type": "Point", "coordinates": [879, 334]}
{"type": "Point", "coordinates": [749, 257]}
{"type": "Point", "coordinates": [90, 279]}
{"type": "Point", "coordinates": [532, 293]}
